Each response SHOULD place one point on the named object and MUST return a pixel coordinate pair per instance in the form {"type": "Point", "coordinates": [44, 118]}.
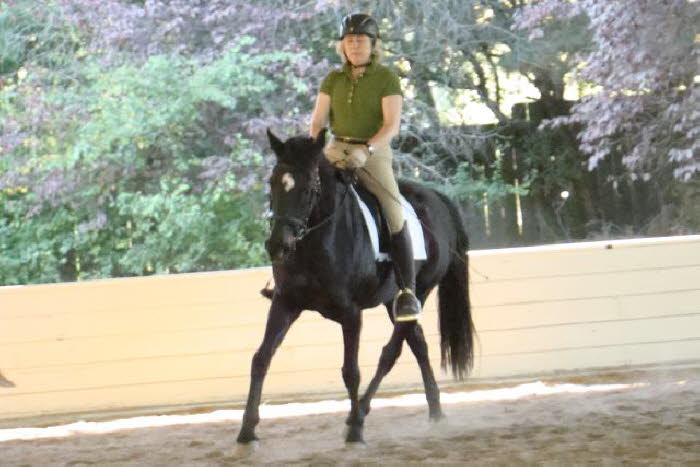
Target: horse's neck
{"type": "Point", "coordinates": [331, 202]}
{"type": "Point", "coordinates": [330, 210]}
{"type": "Point", "coordinates": [333, 243]}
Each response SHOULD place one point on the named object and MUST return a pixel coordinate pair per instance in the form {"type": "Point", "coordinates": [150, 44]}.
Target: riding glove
{"type": "Point", "coordinates": [346, 156]}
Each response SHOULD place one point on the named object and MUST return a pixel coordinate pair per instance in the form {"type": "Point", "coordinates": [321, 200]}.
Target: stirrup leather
{"type": "Point", "coordinates": [410, 311]}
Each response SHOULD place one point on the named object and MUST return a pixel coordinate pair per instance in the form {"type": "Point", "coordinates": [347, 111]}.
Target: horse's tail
{"type": "Point", "coordinates": [454, 307]}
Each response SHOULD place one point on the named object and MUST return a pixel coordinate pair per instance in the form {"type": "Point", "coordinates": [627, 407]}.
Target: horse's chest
{"type": "Point", "coordinates": [326, 290]}
{"type": "Point", "coordinates": [307, 287]}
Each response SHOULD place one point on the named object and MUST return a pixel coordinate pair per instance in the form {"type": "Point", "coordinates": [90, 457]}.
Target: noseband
{"type": "Point", "coordinates": [298, 225]}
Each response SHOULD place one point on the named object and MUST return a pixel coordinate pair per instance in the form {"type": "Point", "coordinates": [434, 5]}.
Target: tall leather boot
{"type": "Point", "coordinates": [406, 306]}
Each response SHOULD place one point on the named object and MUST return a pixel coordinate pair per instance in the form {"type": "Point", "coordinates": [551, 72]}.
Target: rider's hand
{"type": "Point", "coordinates": [356, 158]}
{"type": "Point", "coordinates": [346, 156]}
{"type": "Point", "coordinates": [335, 154]}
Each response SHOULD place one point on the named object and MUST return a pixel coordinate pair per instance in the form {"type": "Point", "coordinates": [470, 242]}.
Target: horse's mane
{"type": "Point", "coordinates": [300, 152]}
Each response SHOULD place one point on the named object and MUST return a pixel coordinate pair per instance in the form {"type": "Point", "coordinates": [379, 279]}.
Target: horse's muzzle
{"type": "Point", "coordinates": [280, 245]}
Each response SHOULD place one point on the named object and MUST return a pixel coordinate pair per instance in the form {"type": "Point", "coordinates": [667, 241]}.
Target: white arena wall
{"type": "Point", "coordinates": [120, 344]}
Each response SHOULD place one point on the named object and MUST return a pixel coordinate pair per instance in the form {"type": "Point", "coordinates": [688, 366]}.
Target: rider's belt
{"type": "Point", "coordinates": [343, 139]}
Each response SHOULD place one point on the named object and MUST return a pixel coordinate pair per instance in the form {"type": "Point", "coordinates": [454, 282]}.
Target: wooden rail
{"type": "Point", "coordinates": [189, 338]}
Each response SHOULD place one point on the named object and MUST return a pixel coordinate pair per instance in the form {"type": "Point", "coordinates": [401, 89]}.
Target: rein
{"type": "Point", "coordinates": [307, 230]}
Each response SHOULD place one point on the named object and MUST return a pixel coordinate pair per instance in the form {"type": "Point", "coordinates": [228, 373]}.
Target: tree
{"type": "Point", "coordinates": [645, 68]}
{"type": "Point", "coordinates": [118, 166]}
{"type": "Point", "coordinates": [132, 131]}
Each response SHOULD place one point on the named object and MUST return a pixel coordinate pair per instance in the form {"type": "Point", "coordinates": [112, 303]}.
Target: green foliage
{"type": "Point", "coordinates": [470, 185]}
{"type": "Point", "coordinates": [549, 162]}
{"type": "Point", "coordinates": [36, 32]}
{"type": "Point", "coordinates": [131, 142]}
{"type": "Point", "coordinates": [27, 245]}
{"type": "Point", "coordinates": [128, 188]}
{"type": "Point", "coordinates": [169, 231]}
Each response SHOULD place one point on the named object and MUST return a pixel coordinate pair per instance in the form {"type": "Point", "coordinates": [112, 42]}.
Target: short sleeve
{"type": "Point", "coordinates": [327, 84]}
{"type": "Point", "coordinates": [393, 85]}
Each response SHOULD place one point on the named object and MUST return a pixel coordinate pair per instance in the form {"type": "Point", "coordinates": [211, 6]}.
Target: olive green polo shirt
{"type": "Point", "coordinates": [356, 105]}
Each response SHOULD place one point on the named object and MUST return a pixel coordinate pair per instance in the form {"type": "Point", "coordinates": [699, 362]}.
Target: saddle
{"type": "Point", "coordinates": [378, 227]}
{"type": "Point", "coordinates": [372, 213]}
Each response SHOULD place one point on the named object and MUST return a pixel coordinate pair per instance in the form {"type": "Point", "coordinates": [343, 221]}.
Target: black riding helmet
{"type": "Point", "coordinates": [359, 24]}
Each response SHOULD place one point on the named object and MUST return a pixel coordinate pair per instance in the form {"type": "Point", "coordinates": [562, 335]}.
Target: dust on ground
{"type": "Point", "coordinates": [657, 423]}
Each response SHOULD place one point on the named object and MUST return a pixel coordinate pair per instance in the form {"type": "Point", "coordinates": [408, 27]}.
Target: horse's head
{"type": "Point", "coordinates": [295, 188]}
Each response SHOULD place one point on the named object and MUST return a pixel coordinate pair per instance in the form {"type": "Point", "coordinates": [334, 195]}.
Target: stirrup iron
{"type": "Point", "coordinates": [406, 306]}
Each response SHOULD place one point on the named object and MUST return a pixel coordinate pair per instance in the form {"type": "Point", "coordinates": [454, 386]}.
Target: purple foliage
{"type": "Point", "coordinates": [117, 32]}
{"type": "Point", "coordinates": [193, 27]}
{"type": "Point", "coordinates": [644, 66]}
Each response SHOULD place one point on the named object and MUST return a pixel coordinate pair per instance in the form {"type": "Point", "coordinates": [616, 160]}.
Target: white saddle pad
{"type": "Point", "coordinates": [414, 228]}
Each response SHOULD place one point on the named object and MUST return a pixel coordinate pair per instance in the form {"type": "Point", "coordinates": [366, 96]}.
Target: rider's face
{"type": "Point", "coordinates": [358, 48]}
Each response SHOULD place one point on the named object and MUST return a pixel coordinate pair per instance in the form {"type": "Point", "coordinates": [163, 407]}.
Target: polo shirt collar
{"type": "Point", "coordinates": [371, 68]}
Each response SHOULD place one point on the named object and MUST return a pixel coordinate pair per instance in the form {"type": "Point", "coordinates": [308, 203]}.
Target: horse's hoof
{"type": "Point", "coordinates": [437, 417]}
{"type": "Point", "coordinates": [349, 441]}
{"type": "Point", "coordinates": [245, 449]}
{"type": "Point", "coordinates": [354, 435]}
{"type": "Point", "coordinates": [246, 436]}
{"type": "Point", "coordinates": [355, 445]}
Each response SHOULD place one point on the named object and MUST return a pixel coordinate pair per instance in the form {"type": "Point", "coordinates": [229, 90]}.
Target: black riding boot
{"type": "Point", "coordinates": [406, 305]}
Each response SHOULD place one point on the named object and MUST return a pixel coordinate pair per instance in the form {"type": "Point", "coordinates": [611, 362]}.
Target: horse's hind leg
{"type": "Point", "coordinates": [413, 333]}
{"type": "Point", "coordinates": [390, 353]}
{"type": "Point", "coordinates": [279, 320]}
{"type": "Point", "coordinates": [416, 340]}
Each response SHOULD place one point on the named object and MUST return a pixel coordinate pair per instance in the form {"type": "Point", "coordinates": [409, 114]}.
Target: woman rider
{"type": "Point", "coordinates": [362, 102]}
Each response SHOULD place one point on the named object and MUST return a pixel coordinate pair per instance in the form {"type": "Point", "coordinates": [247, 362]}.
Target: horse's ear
{"type": "Point", "coordinates": [275, 143]}
{"type": "Point", "coordinates": [320, 140]}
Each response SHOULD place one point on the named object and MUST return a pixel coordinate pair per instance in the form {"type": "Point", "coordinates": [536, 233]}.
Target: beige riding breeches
{"type": "Point", "coordinates": [377, 175]}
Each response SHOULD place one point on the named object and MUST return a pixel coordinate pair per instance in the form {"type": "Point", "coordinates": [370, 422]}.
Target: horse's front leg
{"type": "Point", "coordinates": [351, 375]}
{"type": "Point", "coordinates": [279, 320]}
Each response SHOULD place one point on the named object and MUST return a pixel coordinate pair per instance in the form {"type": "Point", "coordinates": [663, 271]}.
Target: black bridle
{"type": "Point", "coordinates": [299, 225]}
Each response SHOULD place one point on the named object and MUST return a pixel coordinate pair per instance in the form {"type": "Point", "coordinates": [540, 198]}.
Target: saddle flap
{"type": "Point", "coordinates": [375, 215]}
{"type": "Point", "coordinates": [378, 228]}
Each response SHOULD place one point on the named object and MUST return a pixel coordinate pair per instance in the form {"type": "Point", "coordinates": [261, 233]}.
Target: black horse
{"type": "Point", "coordinates": [323, 261]}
